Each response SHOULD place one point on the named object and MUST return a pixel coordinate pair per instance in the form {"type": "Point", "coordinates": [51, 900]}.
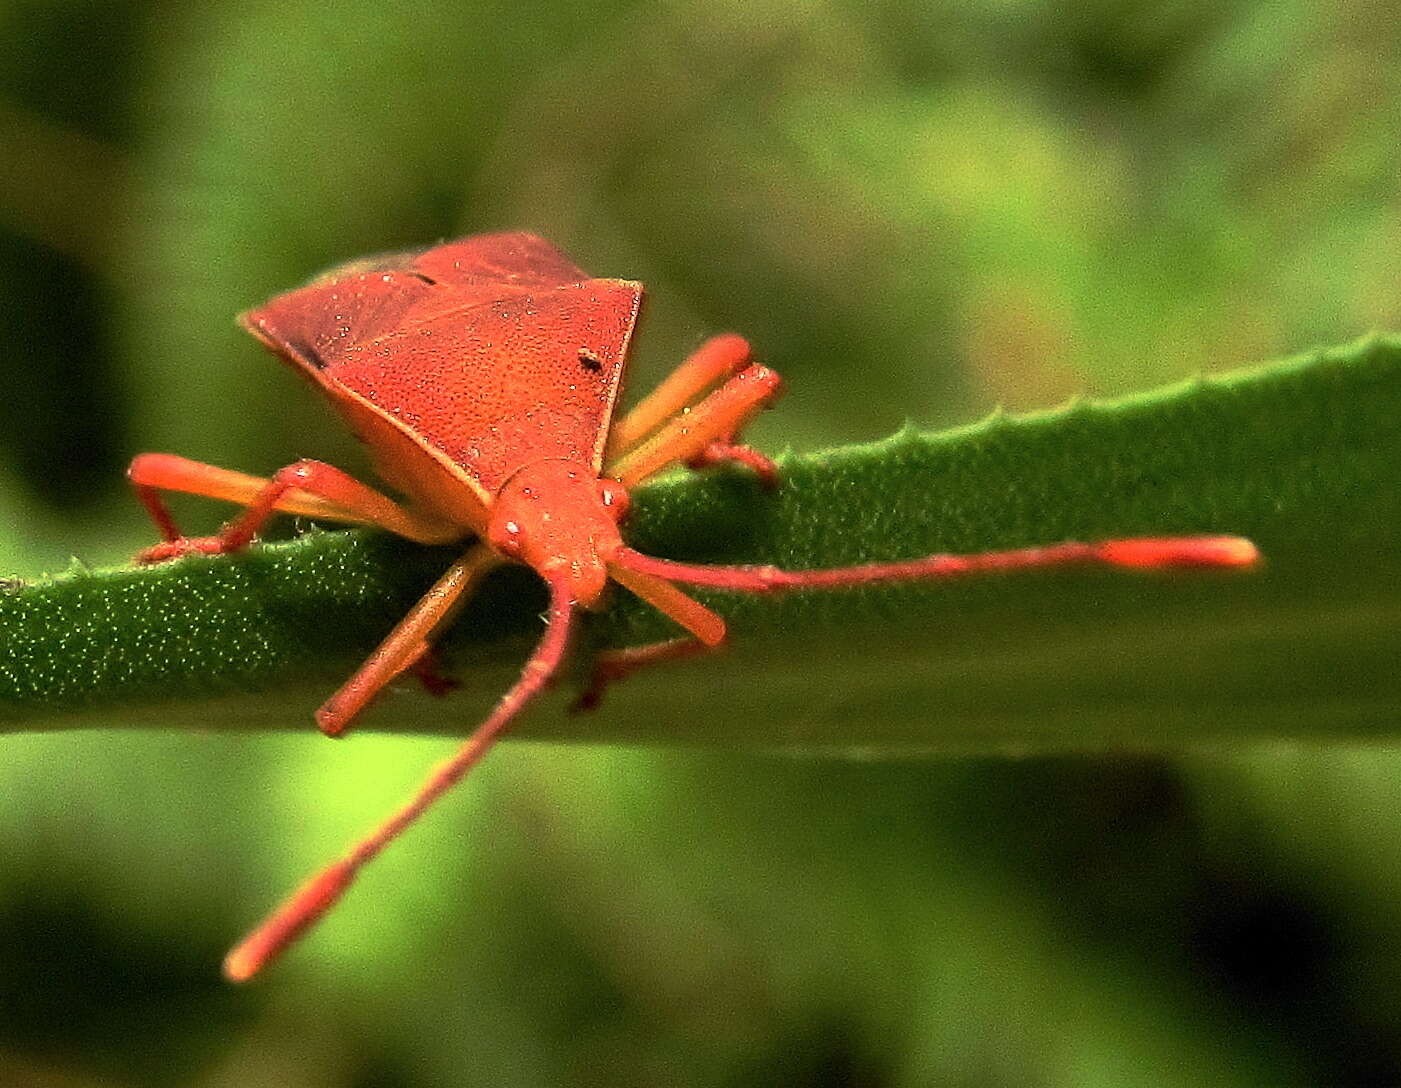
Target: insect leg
{"type": "Point", "coordinates": [707, 632]}
{"type": "Point", "coordinates": [726, 451]}
{"type": "Point", "coordinates": [707, 626]}
{"type": "Point", "coordinates": [408, 642]}
{"type": "Point", "coordinates": [1143, 552]}
{"type": "Point", "coordinates": [319, 894]}
{"type": "Point", "coordinates": [424, 667]}
{"type": "Point", "coordinates": [691, 435]}
{"type": "Point", "coordinates": [308, 487]}
{"type": "Point", "coordinates": [611, 666]}
{"type": "Point", "coordinates": [716, 359]}
{"type": "Point", "coordinates": [152, 473]}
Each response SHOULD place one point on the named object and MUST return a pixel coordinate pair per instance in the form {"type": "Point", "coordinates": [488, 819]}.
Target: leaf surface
{"type": "Point", "coordinates": [1299, 455]}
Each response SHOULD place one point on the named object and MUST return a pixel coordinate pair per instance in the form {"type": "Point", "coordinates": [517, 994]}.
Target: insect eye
{"type": "Point", "coordinates": [505, 537]}
{"type": "Point", "coordinates": [615, 498]}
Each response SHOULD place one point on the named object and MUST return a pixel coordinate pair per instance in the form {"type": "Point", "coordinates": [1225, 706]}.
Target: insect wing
{"type": "Point", "coordinates": [314, 325]}
{"type": "Point", "coordinates": [484, 264]}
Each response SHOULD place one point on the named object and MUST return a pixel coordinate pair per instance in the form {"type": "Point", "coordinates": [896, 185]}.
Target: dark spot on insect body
{"type": "Point", "coordinates": [305, 349]}
{"type": "Point", "coordinates": [590, 361]}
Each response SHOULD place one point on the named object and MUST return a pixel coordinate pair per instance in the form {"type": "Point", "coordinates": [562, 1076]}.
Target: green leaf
{"type": "Point", "coordinates": [1300, 456]}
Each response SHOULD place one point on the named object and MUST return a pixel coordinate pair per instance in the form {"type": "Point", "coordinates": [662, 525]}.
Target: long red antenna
{"type": "Point", "coordinates": [1172, 551]}
{"type": "Point", "coordinates": [318, 895]}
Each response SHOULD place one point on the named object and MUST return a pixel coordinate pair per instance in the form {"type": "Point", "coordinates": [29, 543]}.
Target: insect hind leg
{"type": "Point", "coordinates": [717, 359]}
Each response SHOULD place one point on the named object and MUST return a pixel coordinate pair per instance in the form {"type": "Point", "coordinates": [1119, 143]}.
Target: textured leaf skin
{"type": "Point", "coordinates": [1302, 456]}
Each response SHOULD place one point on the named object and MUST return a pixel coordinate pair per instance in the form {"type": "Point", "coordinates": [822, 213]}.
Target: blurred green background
{"type": "Point", "coordinates": [915, 211]}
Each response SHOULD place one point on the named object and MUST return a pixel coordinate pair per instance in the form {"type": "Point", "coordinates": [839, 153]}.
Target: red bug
{"type": "Point", "coordinates": [482, 374]}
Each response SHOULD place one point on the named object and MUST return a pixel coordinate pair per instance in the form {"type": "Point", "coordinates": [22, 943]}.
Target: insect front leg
{"type": "Point", "coordinates": [651, 579]}
{"type": "Point", "coordinates": [707, 633]}
{"type": "Point", "coordinates": [1134, 552]}
{"type": "Point", "coordinates": [409, 643]}
{"type": "Point", "coordinates": [318, 895]}
{"type": "Point", "coordinates": [309, 488]}
{"type": "Point", "coordinates": [612, 666]}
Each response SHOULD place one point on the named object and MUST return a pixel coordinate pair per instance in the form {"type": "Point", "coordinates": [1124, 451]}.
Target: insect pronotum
{"type": "Point", "coordinates": [482, 375]}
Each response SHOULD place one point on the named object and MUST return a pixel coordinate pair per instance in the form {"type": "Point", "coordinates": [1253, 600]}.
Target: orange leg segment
{"type": "Point", "coordinates": [689, 613]}
{"type": "Point", "coordinates": [152, 473]}
{"type": "Point", "coordinates": [727, 452]}
{"type": "Point", "coordinates": [707, 632]}
{"type": "Point", "coordinates": [697, 432]}
{"type": "Point", "coordinates": [716, 359]}
{"type": "Point", "coordinates": [310, 488]}
{"type": "Point", "coordinates": [319, 894]}
{"type": "Point", "coordinates": [407, 644]}
{"type": "Point", "coordinates": [611, 666]}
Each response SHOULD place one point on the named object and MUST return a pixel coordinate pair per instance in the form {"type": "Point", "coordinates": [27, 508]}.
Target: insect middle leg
{"type": "Point", "coordinates": [612, 666]}
{"type": "Point", "coordinates": [719, 359]}
{"type": "Point", "coordinates": [685, 438]}
{"type": "Point", "coordinates": [710, 364]}
{"type": "Point", "coordinates": [310, 488]}
{"type": "Point", "coordinates": [706, 432]}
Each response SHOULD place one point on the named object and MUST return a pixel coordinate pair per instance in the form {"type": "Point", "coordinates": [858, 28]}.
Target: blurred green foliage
{"type": "Point", "coordinates": [916, 211]}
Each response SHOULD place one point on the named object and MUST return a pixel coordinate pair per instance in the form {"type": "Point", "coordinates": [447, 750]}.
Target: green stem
{"type": "Point", "coordinates": [1300, 455]}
